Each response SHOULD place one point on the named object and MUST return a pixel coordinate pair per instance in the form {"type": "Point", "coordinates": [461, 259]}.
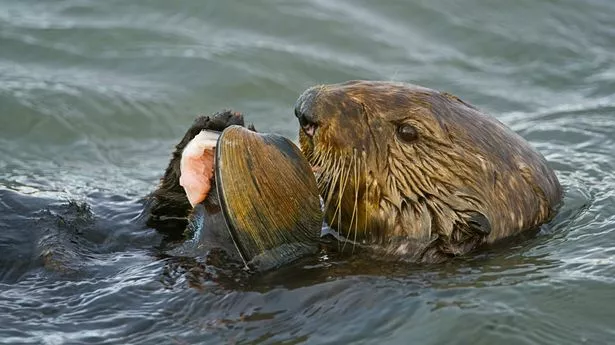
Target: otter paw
{"type": "Point", "coordinates": [220, 120]}
{"type": "Point", "coordinates": [217, 122]}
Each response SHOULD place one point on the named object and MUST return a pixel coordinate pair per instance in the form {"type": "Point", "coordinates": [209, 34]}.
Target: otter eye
{"type": "Point", "coordinates": [407, 133]}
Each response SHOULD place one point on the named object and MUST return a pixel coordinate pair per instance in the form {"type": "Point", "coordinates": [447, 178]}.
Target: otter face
{"type": "Point", "coordinates": [396, 161]}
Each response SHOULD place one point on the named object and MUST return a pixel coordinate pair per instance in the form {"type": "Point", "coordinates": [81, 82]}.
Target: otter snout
{"type": "Point", "coordinates": [304, 111]}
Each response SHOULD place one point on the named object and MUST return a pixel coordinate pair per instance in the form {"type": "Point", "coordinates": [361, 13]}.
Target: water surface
{"type": "Point", "coordinates": [95, 94]}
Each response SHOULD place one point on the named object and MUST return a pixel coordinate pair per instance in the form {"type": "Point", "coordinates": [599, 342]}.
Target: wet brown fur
{"type": "Point", "coordinates": [466, 180]}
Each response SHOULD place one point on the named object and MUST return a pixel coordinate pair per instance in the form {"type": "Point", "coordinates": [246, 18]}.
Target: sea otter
{"type": "Point", "coordinates": [406, 171]}
{"type": "Point", "coordinates": [419, 173]}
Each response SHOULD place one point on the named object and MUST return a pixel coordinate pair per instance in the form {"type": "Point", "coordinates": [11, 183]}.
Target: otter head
{"type": "Point", "coordinates": [419, 172]}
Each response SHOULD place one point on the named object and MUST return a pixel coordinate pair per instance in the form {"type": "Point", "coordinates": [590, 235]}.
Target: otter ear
{"type": "Point", "coordinates": [479, 223]}
{"type": "Point", "coordinates": [197, 166]}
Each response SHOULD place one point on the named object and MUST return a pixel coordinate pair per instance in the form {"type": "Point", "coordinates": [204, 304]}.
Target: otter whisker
{"type": "Point", "coordinates": [365, 193]}
{"type": "Point", "coordinates": [342, 187]}
{"type": "Point", "coordinates": [325, 180]}
{"type": "Point", "coordinates": [331, 187]}
{"type": "Point", "coordinates": [323, 158]}
{"type": "Point", "coordinates": [353, 165]}
{"type": "Point", "coordinates": [356, 201]}
{"type": "Point", "coordinates": [333, 179]}
{"type": "Point", "coordinates": [326, 162]}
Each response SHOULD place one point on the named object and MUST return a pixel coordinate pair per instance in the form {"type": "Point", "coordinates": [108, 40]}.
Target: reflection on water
{"type": "Point", "coordinates": [93, 96]}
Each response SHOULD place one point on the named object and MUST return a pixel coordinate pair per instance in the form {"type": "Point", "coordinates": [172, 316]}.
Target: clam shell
{"type": "Point", "coordinates": [268, 194]}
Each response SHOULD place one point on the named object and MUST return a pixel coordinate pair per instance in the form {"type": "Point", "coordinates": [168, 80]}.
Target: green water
{"type": "Point", "coordinates": [95, 94]}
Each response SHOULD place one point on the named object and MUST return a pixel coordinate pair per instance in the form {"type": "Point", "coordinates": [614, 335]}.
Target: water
{"type": "Point", "coordinates": [94, 94]}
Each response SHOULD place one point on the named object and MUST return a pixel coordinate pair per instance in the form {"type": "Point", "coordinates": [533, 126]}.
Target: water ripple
{"type": "Point", "coordinates": [93, 96]}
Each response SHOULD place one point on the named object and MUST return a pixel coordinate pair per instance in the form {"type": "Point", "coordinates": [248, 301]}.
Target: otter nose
{"type": "Point", "coordinates": [305, 113]}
